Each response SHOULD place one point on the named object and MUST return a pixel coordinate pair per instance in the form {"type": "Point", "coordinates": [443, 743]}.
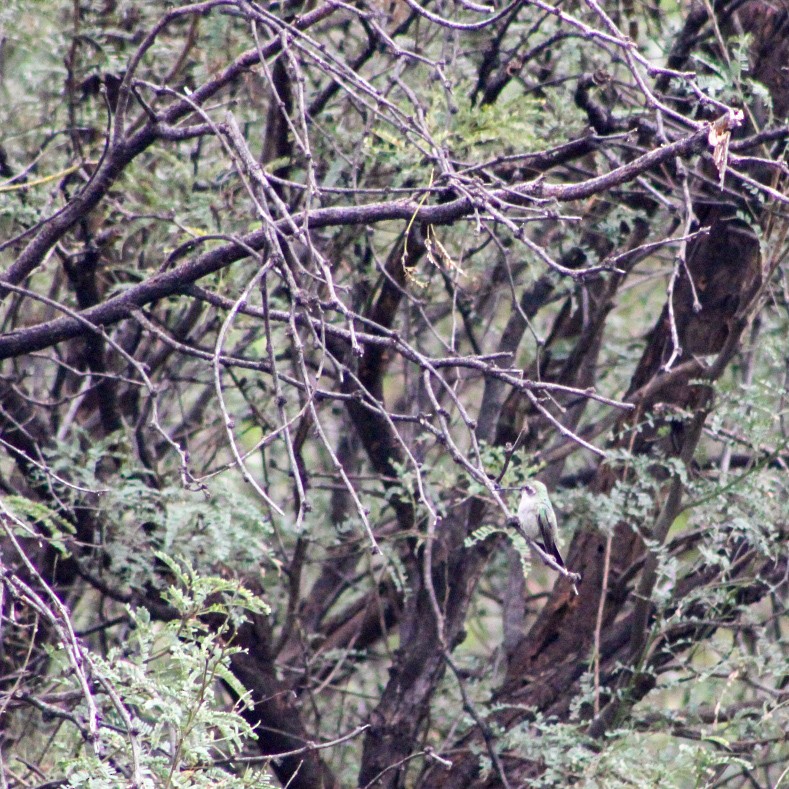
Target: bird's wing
{"type": "Point", "coordinates": [547, 526]}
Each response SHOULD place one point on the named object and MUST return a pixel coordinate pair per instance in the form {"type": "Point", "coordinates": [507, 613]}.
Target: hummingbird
{"type": "Point", "coordinates": [537, 520]}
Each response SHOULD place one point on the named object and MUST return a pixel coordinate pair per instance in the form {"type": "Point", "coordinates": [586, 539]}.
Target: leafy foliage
{"type": "Point", "coordinates": [163, 717]}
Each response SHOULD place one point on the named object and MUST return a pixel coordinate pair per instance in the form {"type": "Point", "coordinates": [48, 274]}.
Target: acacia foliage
{"type": "Point", "coordinates": [295, 296]}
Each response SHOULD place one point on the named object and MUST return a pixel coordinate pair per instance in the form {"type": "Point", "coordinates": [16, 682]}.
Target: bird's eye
{"type": "Point", "coordinates": [529, 489]}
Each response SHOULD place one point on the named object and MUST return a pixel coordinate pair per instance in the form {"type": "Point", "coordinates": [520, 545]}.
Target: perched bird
{"type": "Point", "coordinates": [537, 520]}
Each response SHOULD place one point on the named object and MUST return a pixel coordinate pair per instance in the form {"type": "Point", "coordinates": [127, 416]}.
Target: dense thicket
{"type": "Point", "coordinates": [296, 296]}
